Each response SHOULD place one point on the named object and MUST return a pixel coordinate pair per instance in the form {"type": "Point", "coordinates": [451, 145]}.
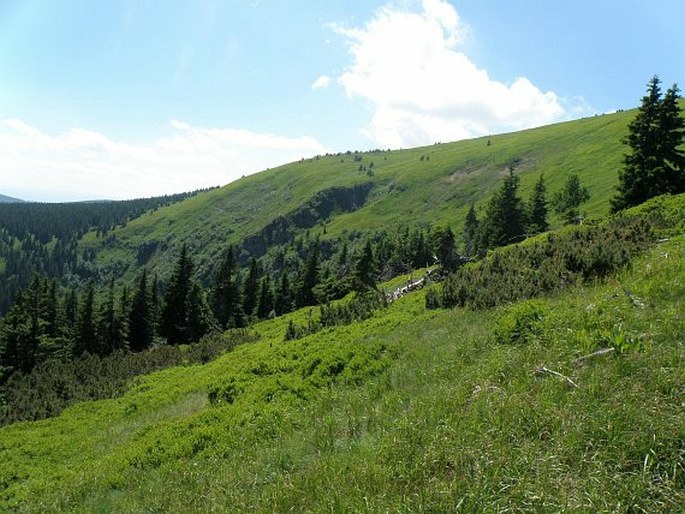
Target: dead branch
{"type": "Point", "coordinates": [541, 370]}
{"type": "Point", "coordinates": [604, 351]}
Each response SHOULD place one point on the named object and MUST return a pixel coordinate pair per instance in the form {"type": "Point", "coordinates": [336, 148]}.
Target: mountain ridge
{"type": "Point", "coordinates": [10, 199]}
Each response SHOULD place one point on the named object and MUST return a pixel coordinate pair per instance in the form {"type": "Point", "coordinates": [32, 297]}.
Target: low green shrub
{"type": "Point", "coordinates": [521, 323]}
{"type": "Point", "coordinates": [544, 266]}
{"type": "Point", "coordinates": [54, 385]}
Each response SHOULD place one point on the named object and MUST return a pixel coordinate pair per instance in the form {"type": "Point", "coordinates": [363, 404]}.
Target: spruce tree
{"type": "Point", "coordinates": [140, 324]}
{"type": "Point", "coordinates": [446, 249]}
{"type": "Point", "coordinates": [471, 227]}
{"type": "Point", "coordinates": [85, 333]}
{"type": "Point", "coordinates": [155, 306]}
{"type": "Point", "coordinates": [69, 315]}
{"type": "Point", "coordinates": [422, 254]}
{"type": "Point", "coordinates": [124, 313]}
{"type": "Point", "coordinates": [175, 310]}
{"type": "Point", "coordinates": [309, 278]}
{"type": "Point", "coordinates": [504, 221]}
{"type": "Point", "coordinates": [365, 270]}
{"type": "Point", "coordinates": [200, 320]}
{"type": "Point", "coordinates": [655, 165]}
{"type": "Point", "coordinates": [18, 349]}
{"type": "Point", "coordinates": [537, 208]}
{"type": "Point", "coordinates": [265, 299]}
{"type": "Point", "coordinates": [51, 309]}
{"type": "Point", "coordinates": [226, 297]}
{"type": "Point", "coordinates": [567, 201]}
{"type": "Point", "coordinates": [109, 328]}
{"type": "Point", "coordinates": [673, 135]}
{"type": "Point", "coordinates": [22, 329]}
{"type": "Point", "coordinates": [284, 295]}
{"type": "Point", "coordinates": [251, 288]}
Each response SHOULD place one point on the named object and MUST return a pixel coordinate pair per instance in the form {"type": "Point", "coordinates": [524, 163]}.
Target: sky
{"type": "Point", "coordinates": [135, 98]}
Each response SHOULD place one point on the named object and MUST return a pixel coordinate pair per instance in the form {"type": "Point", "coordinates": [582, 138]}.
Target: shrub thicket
{"type": "Point", "coordinates": [54, 385]}
{"type": "Point", "coordinates": [544, 266]}
{"type": "Point", "coordinates": [360, 307]}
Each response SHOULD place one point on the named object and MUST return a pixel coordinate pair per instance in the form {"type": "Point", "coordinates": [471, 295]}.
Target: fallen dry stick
{"type": "Point", "coordinates": [604, 351]}
{"type": "Point", "coordinates": [543, 369]}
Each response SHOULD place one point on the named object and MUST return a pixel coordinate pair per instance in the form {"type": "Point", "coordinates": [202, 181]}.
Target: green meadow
{"type": "Point", "coordinates": [506, 409]}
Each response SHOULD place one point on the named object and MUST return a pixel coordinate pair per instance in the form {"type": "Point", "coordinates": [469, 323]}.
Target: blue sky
{"type": "Point", "coordinates": [130, 98]}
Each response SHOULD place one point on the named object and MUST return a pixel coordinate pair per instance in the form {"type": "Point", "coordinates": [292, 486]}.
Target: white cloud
{"type": "Point", "coordinates": [322, 82]}
{"type": "Point", "coordinates": [82, 164]}
{"type": "Point", "coordinates": [422, 89]}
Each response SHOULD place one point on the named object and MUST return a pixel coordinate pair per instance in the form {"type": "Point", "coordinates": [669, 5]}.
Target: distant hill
{"type": "Point", "coordinates": [9, 199]}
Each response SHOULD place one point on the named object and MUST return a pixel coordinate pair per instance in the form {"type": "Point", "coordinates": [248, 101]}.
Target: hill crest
{"type": "Point", "coordinates": [9, 199]}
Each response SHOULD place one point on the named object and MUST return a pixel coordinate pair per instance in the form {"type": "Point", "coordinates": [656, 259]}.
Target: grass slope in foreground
{"type": "Point", "coordinates": [411, 410]}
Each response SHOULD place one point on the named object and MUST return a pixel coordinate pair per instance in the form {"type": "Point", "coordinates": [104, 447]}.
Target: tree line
{"type": "Point", "coordinates": [509, 219]}
{"type": "Point", "coordinates": [49, 322]}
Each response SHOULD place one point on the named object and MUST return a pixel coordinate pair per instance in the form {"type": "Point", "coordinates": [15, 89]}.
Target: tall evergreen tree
{"type": "Point", "coordinates": [446, 249]}
{"type": "Point", "coordinates": [109, 333]}
{"type": "Point", "coordinates": [537, 208]}
{"type": "Point", "coordinates": [51, 309]}
{"type": "Point", "coordinates": [265, 300]}
{"type": "Point", "coordinates": [22, 329]}
{"type": "Point", "coordinates": [124, 313]}
{"type": "Point", "coordinates": [365, 270]}
{"type": "Point", "coordinates": [85, 334]}
{"type": "Point", "coordinates": [200, 320]}
{"type": "Point", "coordinates": [655, 164]}
{"type": "Point", "coordinates": [422, 254]}
{"type": "Point", "coordinates": [673, 135]}
{"type": "Point", "coordinates": [284, 300]}
{"type": "Point", "coordinates": [175, 311]}
{"type": "Point", "coordinates": [504, 221]}
{"type": "Point", "coordinates": [69, 315]}
{"type": "Point", "coordinates": [18, 349]}
{"type": "Point", "coordinates": [155, 305]}
{"type": "Point", "coordinates": [471, 226]}
{"type": "Point", "coordinates": [309, 278]}
{"type": "Point", "coordinates": [226, 296]}
{"type": "Point", "coordinates": [251, 288]}
{"type": "Point", "coordinates": [140, 324]}
{"type": "Point", "coordinates": [567, 201]}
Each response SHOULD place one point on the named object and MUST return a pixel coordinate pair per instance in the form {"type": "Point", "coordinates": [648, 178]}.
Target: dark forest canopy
{"type": "Point", "coordinates": [42, 237]}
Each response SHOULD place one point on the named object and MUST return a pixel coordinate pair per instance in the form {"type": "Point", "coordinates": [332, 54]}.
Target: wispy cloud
{"type": "Point", "coordinates": [322, 82]}
{"type": "Point", "coordinates": [83, 164]}
{"type": "Point", "coordinates": [407, 64]}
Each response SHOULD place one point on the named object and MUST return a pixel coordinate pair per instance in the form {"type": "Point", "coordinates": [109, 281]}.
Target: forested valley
{"type": "Point", "coordinates": [42, 238]}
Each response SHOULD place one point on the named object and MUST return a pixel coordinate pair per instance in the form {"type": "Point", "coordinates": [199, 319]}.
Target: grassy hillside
{"type": "Point", "coordinates": [411, 410]}
{"type": "Point", "coordinates": [433, 184]}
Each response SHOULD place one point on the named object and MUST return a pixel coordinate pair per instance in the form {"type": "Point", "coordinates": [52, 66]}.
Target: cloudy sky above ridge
{"type": "Point", "coordinates": [134, 98]}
